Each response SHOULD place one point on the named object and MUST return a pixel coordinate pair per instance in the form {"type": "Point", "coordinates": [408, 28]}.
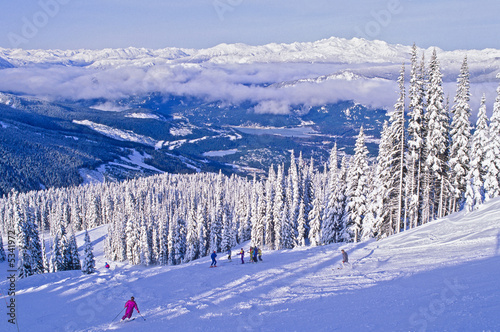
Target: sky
{"type": "Point", "coordinates": [97, 24]}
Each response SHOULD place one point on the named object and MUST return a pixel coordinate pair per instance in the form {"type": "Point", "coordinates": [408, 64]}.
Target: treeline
{"type": "Point", "coordinates": [430, 164]}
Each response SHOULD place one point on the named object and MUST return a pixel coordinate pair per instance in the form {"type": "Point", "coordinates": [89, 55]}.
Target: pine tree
{"type": "Point", "coordinates": [437, 143]}
{"type": "Point", "coordinates": [357, 191]}
{"type": "Point", "coordinates": [328, 231]}
{"type": "Point", "coordinates": [146, 252]}
{"type": "Point", "coordinates": [279, 206]}
{"type": "Point", "coordinates": [301, 225]}
{"type": "Point", "coordinates": [88, 266]}
{"type": "Point", "coordinates": [57, 261]}
{"type": "Point", "coordinates": [192, 243]}
{"type": "Point", "coordinates": [397, 160]}
{"type": "Point", "coordinates": [270, 198]}
{"type": "Point", "coordinates": [30, 254]}
{"type": "Point", "coordinates": [475, 180]}
{"type": "Point", "coordinates": [416, 134]}
{"type": "Point", "coordinates": [216, 224]}
{"type": "Point", "coordinates": [460, 136]}
{"type": "Point", "coordinates": [315, 215]}
{"type": "Point", "coordinates": [492, 153]}
{"type": "Point", "coordinates": [296, 197]}
{"type": "Point", "coordinates": [201, 222]}
{"type": "Point", "coordinates": [73, 256]}
{"type": "Point", "coordinates": [382, 218]}
{"type": "Point", "coordinates": [2, 251]}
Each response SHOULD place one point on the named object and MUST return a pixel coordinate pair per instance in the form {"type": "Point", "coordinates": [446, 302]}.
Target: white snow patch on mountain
{"type": "Point", "coordinates": [184, 131]}
{"type": "Point", "coordinates": [220, 153]}
{"type": "Point", "coordinates": [143, 116]}
{"type": "Point", "coordinates": [109, 107]}
{"type": "Point", "coordinates": [117, 134]}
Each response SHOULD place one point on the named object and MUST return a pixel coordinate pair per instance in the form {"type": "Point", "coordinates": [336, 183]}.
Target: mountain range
{"type": "Point", "coordinates": [73, 116]}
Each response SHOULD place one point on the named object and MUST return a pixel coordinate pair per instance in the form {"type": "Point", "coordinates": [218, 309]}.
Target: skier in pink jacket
{"type": "Point", "coordinates": [130, 305]}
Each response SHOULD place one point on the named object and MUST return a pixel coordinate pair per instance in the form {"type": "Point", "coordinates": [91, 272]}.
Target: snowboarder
{"type": "Point", "coordinates": [260, 255]}
{"type": "Point", "coordinates": [214, 262]}
{"type": "Point", "coordinates": [242, 254]}
{"type": "Point", "coordinates": [229, 255]}
{"type": "Point", "coordinates": [345, 258]}
{"type": "Point", "coordinates": [130, 305]}
{"type": "Point", "coordinates": [107, 265]}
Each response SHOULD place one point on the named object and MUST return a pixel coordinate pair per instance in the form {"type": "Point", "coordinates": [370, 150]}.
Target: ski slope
{"type": "Point", "coordinates": [442, 276]}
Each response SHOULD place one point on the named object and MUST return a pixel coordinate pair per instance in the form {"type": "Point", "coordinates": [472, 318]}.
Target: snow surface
{"type": "Point", "coordinates": [121, 135]}
{"type": "Point", "coordinates": [442, 276]}
{"type": "Point", "coordinates": [220, 153]}
{"type": "Point", "coordinates": [286, 132]}
{"type": "Point", "coordinates": [143, 116]}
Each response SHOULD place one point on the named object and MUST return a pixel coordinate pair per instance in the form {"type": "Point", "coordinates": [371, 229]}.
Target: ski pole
{"type": "Point", "coordinates": [142, 316]}
{"type": "Point", "coordinates": [118, 314]}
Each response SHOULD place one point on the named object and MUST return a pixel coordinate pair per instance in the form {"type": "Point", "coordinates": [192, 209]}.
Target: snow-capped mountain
{"type": "Point", "coordinates": [331, 50]}
{"type": "Point", "coordinates": [235, 73]}
{"type": "Point", "coordinates": [184, 104]}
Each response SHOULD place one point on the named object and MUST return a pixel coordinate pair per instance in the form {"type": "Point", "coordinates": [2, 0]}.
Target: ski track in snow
{"type": "Point", "coordinates": [440, 276]}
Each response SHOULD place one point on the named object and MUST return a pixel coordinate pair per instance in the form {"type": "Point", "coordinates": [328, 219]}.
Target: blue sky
{"type": "Point", "coordinates": [95, 24]}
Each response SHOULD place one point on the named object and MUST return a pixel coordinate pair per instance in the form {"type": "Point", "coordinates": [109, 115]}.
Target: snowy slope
{"type": "Point", "coordinates": [442, 276]}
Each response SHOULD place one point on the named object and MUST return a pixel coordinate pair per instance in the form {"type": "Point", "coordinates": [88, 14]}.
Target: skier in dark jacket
{"type": "Point", "coordinates": [214, 262]}
{"type": "Point", "coordinates": [255, 253]}
{"type": "Point", "coordinates": [242, 254]}
{"type": "Point", "coordinates": [345, 258]}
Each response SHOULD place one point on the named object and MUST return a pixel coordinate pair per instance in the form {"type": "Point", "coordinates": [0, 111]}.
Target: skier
{"type": "Point", "coordinates": [345, 258]}
{"type": "Point", "coordinates": [229, 255]}
{"type": "Point", "coordinates": [260, 255]}
{"type": "Point", "coordinates": [251, 254]}
{"type": "Point", "coordinates": [107, 265]}
{"type": "Point", "coordinates": [214, 262]}
{"type": "Point", "coordinates": [130, 305]}
{"type": "Point", "coordinates": [255, 253]}
{"type": "Point", "coordinates": [242, 254]}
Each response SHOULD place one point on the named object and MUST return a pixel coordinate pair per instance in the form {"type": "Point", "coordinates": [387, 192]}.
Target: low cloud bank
{"type": "Point", "coordinates": [228, 83]}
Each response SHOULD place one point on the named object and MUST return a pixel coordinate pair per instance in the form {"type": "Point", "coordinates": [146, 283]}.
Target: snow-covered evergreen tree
{"type": "Point", "coordinates": [73, 262]}
{"type": "Point", "coordinates": [357, 191]}
{"type": "Point", "coordinates": [30, 260]}
{"type": "Point", "coordinates": [416, 134]}
{"type": "Point", "coordinates": [279, 206]}
{"type": "Point", "coordinates": [397, 157]}
{"type": "Point", "coordinates": [329, 229]}
{"type": "Point", "coordinates": [146, 252]}
{"type": "Point", "coordinates": [437, 143]}
{"type": "Point", "coordinates": [316, 214]}
{"type": "Point", "coordinates": [492, 153]}
{"type": "Point", "coordinates": [270, 198]}
{"type": "Point", "coordinates": [460, 136]}
{"type": "Point", "coordinates": [88, 265]}
{"type": "Point", "coordinates": [475, 180]}
{"type": "Point", "coordinates": [57, 260]}
{"type": "Point", "coordinates": [2, 251]}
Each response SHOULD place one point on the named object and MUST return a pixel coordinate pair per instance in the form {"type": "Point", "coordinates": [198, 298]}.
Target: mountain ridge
{"type": "Point", "coordinates": [333, 49]}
